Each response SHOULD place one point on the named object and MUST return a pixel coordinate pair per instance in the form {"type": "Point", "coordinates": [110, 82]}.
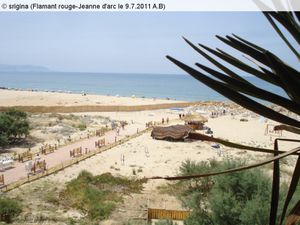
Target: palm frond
{"type": "Point", "coordinates": [282, 36]}
{"type": "Point", "coordinates": [217, 64]}
{"type": "Point", "coordinates": [292, 188]}
{"type": "Point", "coordinates": [237, 97]}
{"type": "Point", "coordinates": [233, 170]}
{"type": "Point", "coordinates": [202, 137]}
{"type": "Point", "coordinates": [269, 68]}
{"type": "Point", "coordinates": [294, 216]}
{"type": "Point", "coordinates": [287, 128]}
{"type": "Point", "coordinates": [253, 90]}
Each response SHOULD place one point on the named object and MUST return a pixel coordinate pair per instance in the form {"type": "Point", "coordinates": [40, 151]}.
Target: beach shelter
{"type": "Point", "coordinates": [171, 133]}
{"type": "Point", "coordinates": [195, 121]}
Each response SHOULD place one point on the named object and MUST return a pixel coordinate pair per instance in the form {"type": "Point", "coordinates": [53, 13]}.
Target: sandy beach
{"type": "Point", "coordinates": [41, 98]}
{"type": "Point", "coordinates": [139, 157]}
{"type": "Point", "coordinates": [165, 157]}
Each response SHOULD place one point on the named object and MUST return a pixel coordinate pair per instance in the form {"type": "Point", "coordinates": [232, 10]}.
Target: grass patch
{"type": "Point", "coordinates": [97, 196]}
{"type": "Point", "coordinates": [52, 198]}
{"type": "Point", "coordinates": [9, 209]}
{"type": "Point", "coordinates": [63, 116]}
{"type": "Point", "coordinates": [81, 126]}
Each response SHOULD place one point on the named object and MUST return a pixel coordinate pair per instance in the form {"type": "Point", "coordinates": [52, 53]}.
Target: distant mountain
{"type": "Point", "coordinates": [22, 68]}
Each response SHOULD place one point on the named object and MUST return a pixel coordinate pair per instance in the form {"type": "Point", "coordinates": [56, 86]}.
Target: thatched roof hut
{"type": "Point", "coordinates": [195, 121]}
{"type": "Point", "coordinates": [195, 117]}
{"type": "Point", "coordinates": [174, 133]}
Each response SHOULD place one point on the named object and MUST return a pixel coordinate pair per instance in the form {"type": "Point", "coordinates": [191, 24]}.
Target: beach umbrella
{"type": "Point", "coordinates": [195, 117]}
{"type": "Point", "coordinates": [175, 132]}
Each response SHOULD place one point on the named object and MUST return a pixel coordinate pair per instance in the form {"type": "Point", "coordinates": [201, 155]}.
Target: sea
{"type": "Point", "coordinates": [166, 86]}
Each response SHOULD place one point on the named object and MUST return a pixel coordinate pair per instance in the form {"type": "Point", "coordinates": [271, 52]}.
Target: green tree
{"type": "Point", "coordinates": [234, 194]}
{"type": "Point", "coordinates": [9, 209]}
{"type": "Point", "coordinates": [13, 124]}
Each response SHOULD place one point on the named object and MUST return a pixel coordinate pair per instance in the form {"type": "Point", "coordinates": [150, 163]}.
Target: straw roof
{"type": "Point", "coordinates": [195, 117]}
{"type": "Point", "coordinates": [176, 132]}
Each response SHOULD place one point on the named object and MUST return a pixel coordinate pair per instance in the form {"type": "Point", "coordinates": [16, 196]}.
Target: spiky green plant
{"type": "Point", "coordinates": [270, 68]}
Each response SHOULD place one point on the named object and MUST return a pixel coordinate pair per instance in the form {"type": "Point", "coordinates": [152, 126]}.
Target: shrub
{"type": "Point", "coordinates": [97, 196]}
{"type": "Point", "coordinates": [81, 127]}
{"type": "Point", "coordinates": [9, 209]}
{"type": "Point", "coordinates": [189, 167]}
{"type": "Point", "coordinates": [236, 198]}
{"type": "Point", "coordinates": [165, 222]}
{"type": "Point", "coordinates": [60, 117]}
{"type": "Point", "coordinates": [13, 124]}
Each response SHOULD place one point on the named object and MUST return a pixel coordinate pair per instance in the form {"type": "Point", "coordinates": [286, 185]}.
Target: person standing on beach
{"type": "Point", "coordinates": [123, 159]}
{"type": "Point", "coordinates": [37, 158]}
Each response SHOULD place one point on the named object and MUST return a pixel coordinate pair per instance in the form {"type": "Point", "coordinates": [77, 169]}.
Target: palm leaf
{"type": "Point", "coordinates": [248, 43]}
{"type": "Point", "coordinates": [281, 35]}
{"type": "Point", "coordinates": [253, 90]}
{"type": "Point", "coordinates": [275, 188]}
{"type": "Point", "coordinates": [236, 97]}
{"type": "Point", "coordinates": [292, 189]}
{"type": "Point", "coordinates": [245, 48]}
{"type": "Point", "coordinates": [267, 161]}
{"type": "Point", "coordinates": [239, 64]}
{"type": "Point", "coordinates": [291, 26]}
{"type": "Point", "coordinates": [288, 77]}
{"type": "Point", "coordinates": [294, 216]}
{"type": "Point", "coordinates": [202, 137]}
{"type": "Point", "coordinates": [287, 128]}
{"type": "Point", "coordinates": [233, 86]}
{"type": "Point", "coordinates": [216, 63]}
{"type": "Point", "coordinates": [297, 14]}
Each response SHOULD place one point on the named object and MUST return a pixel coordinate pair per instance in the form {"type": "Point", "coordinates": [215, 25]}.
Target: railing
{"type": "Point", "coordinates": [69, 163]}
{"type": "Point", "coordinates": [167, 214]}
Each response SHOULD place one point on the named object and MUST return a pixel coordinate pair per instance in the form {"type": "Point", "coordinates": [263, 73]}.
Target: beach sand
{"type": "Point", "coordinates": [165, 157]}
{"type": "Point", "coordinates": [149, 157]}
{"type": "Point", "coordinates": [40, 98]}
{"type": "Point", "coordinates": [146, 156]}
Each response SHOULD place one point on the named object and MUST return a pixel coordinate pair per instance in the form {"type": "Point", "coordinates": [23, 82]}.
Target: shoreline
{"type": "Point", "coordinates": [83, 92]}
{"type": "Point", "coordinates": [63, 102]}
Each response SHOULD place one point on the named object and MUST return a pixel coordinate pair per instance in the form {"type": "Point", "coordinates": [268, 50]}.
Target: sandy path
{"type": "Point", "coordinates": [63, 154]}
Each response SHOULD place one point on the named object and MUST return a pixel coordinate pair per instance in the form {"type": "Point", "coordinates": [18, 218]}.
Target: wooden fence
{"type": "Point", "coordinates": [67, 163]}
{"type": "Point", "coordinates": [2, 183]}
{"type": "Point", "coordinates": [167, 214]}
{"type": "Point", "coordinates": [70, 162]}
{"type": "Point", "coordinates": [100, 108]}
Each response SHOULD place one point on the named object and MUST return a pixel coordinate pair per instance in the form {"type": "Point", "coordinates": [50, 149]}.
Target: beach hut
{"type": "Point", "coordinates": [171, 133]}
{"type": "Point", "coordinates": [195, 121]}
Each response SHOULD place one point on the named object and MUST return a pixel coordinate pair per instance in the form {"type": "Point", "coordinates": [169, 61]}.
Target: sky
{"type": "Point", "coordinates": [125, 42]}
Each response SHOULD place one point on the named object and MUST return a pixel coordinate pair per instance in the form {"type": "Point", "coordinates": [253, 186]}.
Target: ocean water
{"type": "Point", "coordinates": [180, 87]}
